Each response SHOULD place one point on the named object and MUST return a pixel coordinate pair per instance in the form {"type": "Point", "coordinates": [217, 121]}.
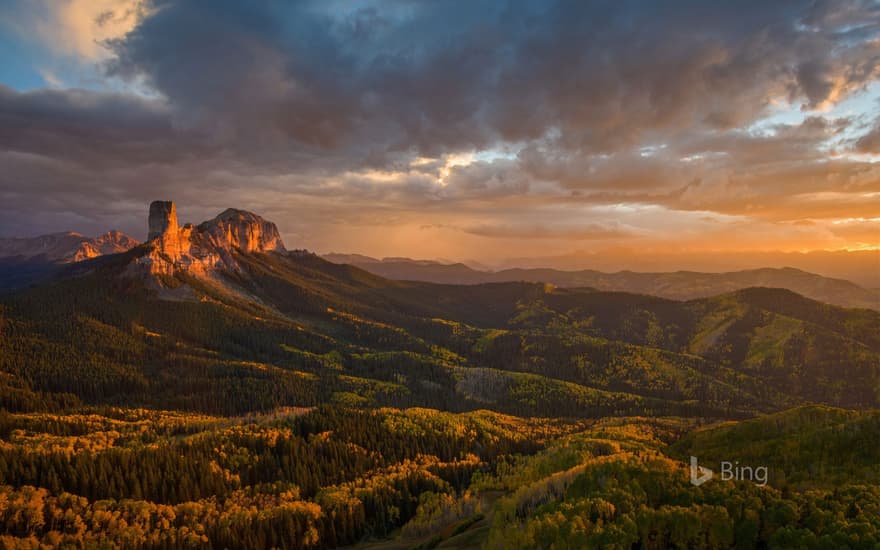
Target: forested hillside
{"type": "Point", "coordinates": [417, 478]}
{"type": "Point", "coordinates": [614, 486]}
{"type": "Point", "coordinates": [298, 330]}
{"type": "Point", "coordinates": [292, 479]}
{"type": "Point", "coordinates": [296, 403]}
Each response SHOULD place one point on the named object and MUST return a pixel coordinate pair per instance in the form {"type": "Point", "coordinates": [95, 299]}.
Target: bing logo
{"type": "Point", "coordinates": [729, 471]}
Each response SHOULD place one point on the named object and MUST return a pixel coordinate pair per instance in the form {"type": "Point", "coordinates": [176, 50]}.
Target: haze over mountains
{"type": "Point", "coordinates": [859, 266]}
{"type": "Point", "coordinates": [679, 285]}
{"type": "Point", "coordinates": [26, 260]}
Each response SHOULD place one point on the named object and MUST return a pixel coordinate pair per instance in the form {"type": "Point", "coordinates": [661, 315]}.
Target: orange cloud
{"type": "Point", "coordinates": [81, 27]}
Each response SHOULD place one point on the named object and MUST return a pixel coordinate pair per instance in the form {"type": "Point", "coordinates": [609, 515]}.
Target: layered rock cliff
{"type": "Point", "coordinates": [210, 246]}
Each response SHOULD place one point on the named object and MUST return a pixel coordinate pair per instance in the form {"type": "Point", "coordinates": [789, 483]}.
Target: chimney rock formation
{"type": "Point", "coordinates": [211, 245]}
{"type": "Point", "coordinates": [163, 219]}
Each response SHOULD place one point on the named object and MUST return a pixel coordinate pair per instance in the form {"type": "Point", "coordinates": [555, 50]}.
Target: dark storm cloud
{"type": "Point", "coordinates": [86, 127]}
{"type": "Point", "coordinates": [452, 76]}
{"type": "Point", "coordinates": [244, 70]}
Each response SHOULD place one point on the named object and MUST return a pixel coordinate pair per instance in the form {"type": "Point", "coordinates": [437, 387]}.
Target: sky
{"type": "Point", "coordinates": [457, 130]}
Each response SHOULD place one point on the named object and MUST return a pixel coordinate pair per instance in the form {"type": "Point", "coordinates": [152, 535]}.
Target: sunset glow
{"type": "Point", "coordinates": [541, 132]}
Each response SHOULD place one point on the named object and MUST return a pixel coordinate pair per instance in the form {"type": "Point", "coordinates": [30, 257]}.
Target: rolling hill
{"type": "Point", "coordinates": [619, 484]}
{"type": "Point", "coordinates": [806, 447]}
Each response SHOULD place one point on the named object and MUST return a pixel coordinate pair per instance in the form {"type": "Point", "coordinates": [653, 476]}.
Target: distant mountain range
{"type": "Point", "coordinates": [679, 285]}
{"type": "Point", "coordinates": [859, 266]}
{"type": "Point", "coordinates": [24, 261]}
{"type": "Point", "coordinates": [66, 247]}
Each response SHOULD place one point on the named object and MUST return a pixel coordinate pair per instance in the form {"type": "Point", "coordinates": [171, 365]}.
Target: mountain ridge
{"type": "Point", "coordinates": [281, 328]}
{"type": "Point", "coordinates": [66, 246]}
{"type": "Point", "coordinates": [29, 260]}
{"type": "Point", "coordinates": [201, 250]}
{"type": "Point", "coordinates": [678, 285]}
{"type": "Point", "coordinates": [204, 247]}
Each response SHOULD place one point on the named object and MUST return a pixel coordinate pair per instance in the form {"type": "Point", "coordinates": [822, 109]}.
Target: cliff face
{"type": "Point", "coordinates": [243, 230]}
{"type": "Point", "coordinates": [162, 220]}
{"type": "Point", "coordinates": [212, 245]}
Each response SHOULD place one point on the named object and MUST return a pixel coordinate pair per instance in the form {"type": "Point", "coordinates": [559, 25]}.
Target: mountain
{"type": "Point", "coordinates": [680, 285]}
{"type": "Point", "coordinates": [207, 248]}
{"type": "Point", "coordinates": [859, 266]}
{"type": "Point", "coordinates": [26, 260]}
{"type": "Point", "coordinates": [221, 318]}
{"type": "Point", "coordinates": [65, 247]}
{"type": "Point", "coordinates": [390, 262]}
{"type": "Point", "coordinates": [353, 259]}
{"type": "Point", "coordinates": [114, 242]}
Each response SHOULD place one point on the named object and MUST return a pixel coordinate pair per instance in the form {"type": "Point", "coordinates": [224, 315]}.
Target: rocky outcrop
{"type": "Point", "coordinates": [66, 247]}
{"type": "Point", "coordinates": [242, 230]}
{"type": "Point", "coordinates": [209, 247]}
{"type": "Point", "coordinates": [162, 220]}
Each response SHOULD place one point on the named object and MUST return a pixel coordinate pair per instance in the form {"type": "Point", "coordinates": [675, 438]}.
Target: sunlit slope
{"type": "Point", "coordinates": [811, 446]}
{"type": "Point", "coordinates": [614, 486]}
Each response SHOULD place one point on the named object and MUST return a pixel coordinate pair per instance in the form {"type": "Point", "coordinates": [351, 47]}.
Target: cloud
{"type": "Point", "coordinates": [78, 28]}
{"type": "Point", "coordinates": [870, 142]}
{"type": "Point", "coordinates": [90, 128]}
{"type": "Point", "coordinates": [468, 114]}
{"type": "Point", "coordinates": [590, 231]}
{"type": "Point", "coordinates": [864, 231]}
{"type": "Point", "coordinates": [444, 78]}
